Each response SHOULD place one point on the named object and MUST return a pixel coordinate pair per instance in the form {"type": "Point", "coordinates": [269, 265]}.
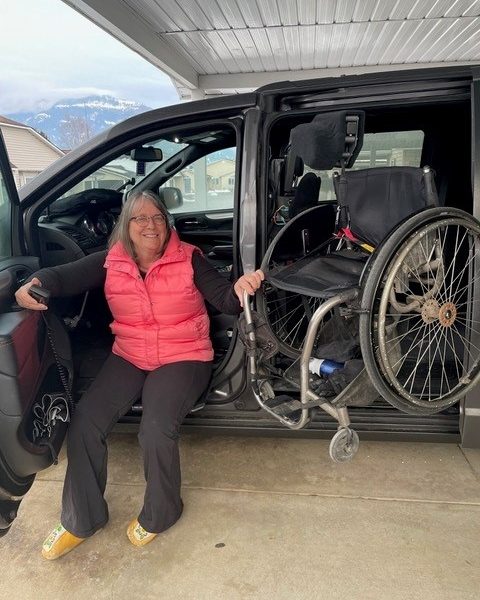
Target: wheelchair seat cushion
{"type": "Point", "coordinates": [321, 276]}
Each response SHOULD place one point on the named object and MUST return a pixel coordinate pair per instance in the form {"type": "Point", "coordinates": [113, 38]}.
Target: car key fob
{"type": "Point", "coordinates": [39, 294]}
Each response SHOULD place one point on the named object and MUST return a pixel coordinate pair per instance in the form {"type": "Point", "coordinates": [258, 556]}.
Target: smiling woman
{"type": "Point", "coordinates": [143, 229]}
{"type": "Point", "coordinates": [156, 287]}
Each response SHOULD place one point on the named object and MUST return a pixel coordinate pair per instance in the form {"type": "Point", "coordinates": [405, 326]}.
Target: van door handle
{"type": "Point", "coordinates": [195, 224]}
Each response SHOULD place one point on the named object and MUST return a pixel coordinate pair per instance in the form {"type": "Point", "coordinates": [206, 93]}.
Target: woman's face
{"type": "Point", "coordinates": [147, 228]}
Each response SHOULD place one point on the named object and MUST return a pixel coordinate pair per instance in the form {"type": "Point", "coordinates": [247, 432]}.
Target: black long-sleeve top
{"type": "Point", "coordinates": [88, 273]}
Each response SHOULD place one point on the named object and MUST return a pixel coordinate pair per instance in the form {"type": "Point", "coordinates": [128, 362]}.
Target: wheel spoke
{"type": "Point", "coordinates": [451, 267]}
{"type": "Point", "coordinates": [404, 335]}
{"type": "Point", "coordinates": [465, 338]}
{"type": "Point", "coordinates": [463, 289]}
{"type": "Point", "coordinates": [419, 359]}
{"type": "Point", "coordinates": [459, 276]}
{"type": "Point", "coordinates": [412, 347]}
{"type": "Point", "coordinates": [442, 333]}
{"type": "Point", "coordinates": [417, 362]}
{"type": "Point", "coordinates": [457, 359]}
{"type": "Point", "coordinates": [288, 316]}
{"type": "Point", "coordinates": [285, 316]}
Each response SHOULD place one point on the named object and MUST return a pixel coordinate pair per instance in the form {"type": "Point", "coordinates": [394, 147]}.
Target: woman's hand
{"type": "Point", "coordinates": [250, 282]}
{"type": "Point", "coordinates": [24, 299]}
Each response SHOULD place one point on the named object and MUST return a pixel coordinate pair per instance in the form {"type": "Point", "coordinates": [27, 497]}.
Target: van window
{"type": "Point", "coordinates": [122, 171]}
{"type": "Point", "coordinates": [208, 184]}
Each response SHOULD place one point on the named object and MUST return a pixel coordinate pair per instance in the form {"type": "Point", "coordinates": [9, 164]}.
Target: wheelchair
{"type": "Point", "coordinates": [377, 287]}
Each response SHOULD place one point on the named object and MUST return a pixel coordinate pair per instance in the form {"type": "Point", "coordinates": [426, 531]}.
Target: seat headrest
{"type": "Point", "coordinates": [306, 194]}
{"type": "Point", "coordinates": [327, 139]}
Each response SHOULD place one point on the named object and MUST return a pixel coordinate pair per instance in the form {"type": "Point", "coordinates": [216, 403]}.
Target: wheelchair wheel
{"type": "Point", "coordinates": [420, 321]}
{"type": "Point", "coordinates": [287, 314]}
{"type": "Point", "coordinates": [344, 445]}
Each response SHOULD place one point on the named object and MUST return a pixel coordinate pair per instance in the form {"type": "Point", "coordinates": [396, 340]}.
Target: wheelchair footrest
{"type": "Point", "coordinates": [284, 406]}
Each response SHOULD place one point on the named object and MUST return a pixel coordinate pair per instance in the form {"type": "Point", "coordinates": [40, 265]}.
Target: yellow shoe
{"type": "Point", "coordinates": [59, 542]}
{"type": "Point", "coordinates": [138, 535]}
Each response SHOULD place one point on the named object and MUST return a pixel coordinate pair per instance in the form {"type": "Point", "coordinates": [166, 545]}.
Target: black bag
{"type": "Point", "coordinates": [51, 414]}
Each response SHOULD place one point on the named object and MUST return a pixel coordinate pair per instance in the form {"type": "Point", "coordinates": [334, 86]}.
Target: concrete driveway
{"type": "Point", "coordinates": [268, 518]}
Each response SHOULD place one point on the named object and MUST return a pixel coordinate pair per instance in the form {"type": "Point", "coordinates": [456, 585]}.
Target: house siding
{"type": "Point", "coordinates": [28, 152]}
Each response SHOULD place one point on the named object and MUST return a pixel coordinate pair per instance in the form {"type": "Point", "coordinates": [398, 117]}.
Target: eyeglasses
{"type": "Point", "coordinates": [143, 220]}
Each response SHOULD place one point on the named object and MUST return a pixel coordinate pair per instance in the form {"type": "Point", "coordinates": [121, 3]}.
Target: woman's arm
{"type": "Point", "coordinates": [218, 290]}
{"type": "Point", "coordinates": [70, 279]}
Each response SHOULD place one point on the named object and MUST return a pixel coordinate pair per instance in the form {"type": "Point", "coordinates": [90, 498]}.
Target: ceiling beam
{"type": "Point", "coordinates": [117, 20]}
{"type": "Point", "coordinates": [247, 81]}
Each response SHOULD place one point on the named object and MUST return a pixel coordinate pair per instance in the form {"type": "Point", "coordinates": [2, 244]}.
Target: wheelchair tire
{"type": "Point", "coordinates": [419, 288]}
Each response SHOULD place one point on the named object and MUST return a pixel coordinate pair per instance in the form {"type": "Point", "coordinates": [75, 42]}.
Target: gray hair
{"type": "Point", "coordinates": [121, 233]}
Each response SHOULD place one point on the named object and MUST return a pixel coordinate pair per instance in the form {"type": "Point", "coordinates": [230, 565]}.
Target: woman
{"type": "Point", "coordinates": [155, 286]}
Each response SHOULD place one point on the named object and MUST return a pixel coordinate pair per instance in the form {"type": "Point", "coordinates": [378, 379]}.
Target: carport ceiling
{"type": "Point", "coordinates": [225, 46]}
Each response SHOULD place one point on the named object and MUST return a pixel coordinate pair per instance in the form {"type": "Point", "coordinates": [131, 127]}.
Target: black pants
{"type": "Point", "coordinates": [168, 394]}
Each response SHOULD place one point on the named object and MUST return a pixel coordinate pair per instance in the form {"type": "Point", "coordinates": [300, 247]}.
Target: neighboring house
{"type": "Point", "coordinates": [221, 174]}
{"type": "Point", "coordinates": [29, 152]}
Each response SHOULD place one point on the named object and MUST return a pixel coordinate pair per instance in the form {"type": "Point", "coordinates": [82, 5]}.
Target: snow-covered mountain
{"type": "Point", "coordinates": [68, 123]}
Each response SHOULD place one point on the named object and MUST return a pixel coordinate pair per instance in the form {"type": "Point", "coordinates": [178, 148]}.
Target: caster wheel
{"type": "Point", "coordinates": [344, 445]}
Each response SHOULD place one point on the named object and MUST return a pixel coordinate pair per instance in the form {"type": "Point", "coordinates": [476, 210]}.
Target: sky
{"type": "Point", "coordinates": [50, 52]}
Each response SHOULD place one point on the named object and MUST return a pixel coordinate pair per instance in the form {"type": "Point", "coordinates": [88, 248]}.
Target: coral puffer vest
{"type": "Point", "coordinates": [159, 319]}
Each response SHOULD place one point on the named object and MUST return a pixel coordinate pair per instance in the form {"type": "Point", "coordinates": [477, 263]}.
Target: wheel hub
{"type": "Point", "coordinates": [430, 311]}
{"type": "Point", "coordinates": [446, 313]}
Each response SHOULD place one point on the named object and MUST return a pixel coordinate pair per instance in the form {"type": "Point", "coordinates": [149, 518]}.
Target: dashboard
{"type": "Point", "coordinates": [77, 225]}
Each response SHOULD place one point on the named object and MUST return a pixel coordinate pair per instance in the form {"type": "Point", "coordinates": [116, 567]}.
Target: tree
{"type": "Point", "coordinates": [43, 134]}
{"type": "Point", "coordinates": [73, 132]}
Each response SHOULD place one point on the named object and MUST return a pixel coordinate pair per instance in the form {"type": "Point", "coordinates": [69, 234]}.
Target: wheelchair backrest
{"type": "Point", "coordinates": [378, 199]}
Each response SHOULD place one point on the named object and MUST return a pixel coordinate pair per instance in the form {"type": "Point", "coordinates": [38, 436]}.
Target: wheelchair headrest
{"type": "Point", "coordinates": [328, 139]}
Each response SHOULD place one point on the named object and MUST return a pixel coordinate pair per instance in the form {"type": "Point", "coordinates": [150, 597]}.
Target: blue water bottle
{"type": "Point", "coordinates": [323, 366]}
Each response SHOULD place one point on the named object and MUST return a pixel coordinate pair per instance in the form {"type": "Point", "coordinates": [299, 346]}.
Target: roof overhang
{"type": "Point", "coordinates": [210, 48]}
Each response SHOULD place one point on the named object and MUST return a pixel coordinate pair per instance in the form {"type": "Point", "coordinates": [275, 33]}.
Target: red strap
{"type": "Point", "coordinates": [346, 232]}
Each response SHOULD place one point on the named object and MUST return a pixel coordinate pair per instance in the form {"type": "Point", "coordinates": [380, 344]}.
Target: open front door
{"type": "Point", "coordinates": [27, 369]}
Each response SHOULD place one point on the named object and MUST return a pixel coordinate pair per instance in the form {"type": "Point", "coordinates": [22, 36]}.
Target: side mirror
{"type": "Point", "coordinates": [171, 197]}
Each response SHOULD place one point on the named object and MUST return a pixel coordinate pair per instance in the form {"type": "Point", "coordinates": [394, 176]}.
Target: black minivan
{"type": "Point", "coordinates": [222, 167]}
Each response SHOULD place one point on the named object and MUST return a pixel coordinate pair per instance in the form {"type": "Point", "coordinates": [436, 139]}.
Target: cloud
{"type": "Point", "coordinates": [32, 95]}
{"type": "Point", "coordinates": [61, 54]}
{"type": "Point", "coordinates": [28, 95]}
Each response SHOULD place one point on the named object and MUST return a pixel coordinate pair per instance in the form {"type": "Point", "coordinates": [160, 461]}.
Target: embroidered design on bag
{"type": "Point", "coordinates": [47, 412]}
